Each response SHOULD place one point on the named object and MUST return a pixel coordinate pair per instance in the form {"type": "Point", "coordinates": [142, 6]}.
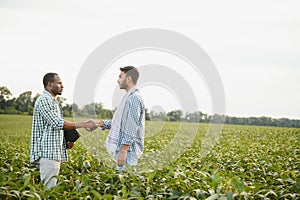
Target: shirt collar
{"type": "Point", "coordinates": [131, 90]}
{"type": "Point", "coordinates": [45, 92]}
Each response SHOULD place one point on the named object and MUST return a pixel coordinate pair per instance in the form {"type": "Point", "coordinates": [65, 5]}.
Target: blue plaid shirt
{"type": "Point", "coordinates": [132, 125]}
{"type": "Point", "coordinates": [47, 140]}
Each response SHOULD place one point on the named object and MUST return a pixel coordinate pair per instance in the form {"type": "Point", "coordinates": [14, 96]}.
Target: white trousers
{"type": "Point", "coordinates": [48, 170]}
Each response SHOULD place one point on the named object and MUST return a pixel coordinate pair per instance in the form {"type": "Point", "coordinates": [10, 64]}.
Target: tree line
{"type": "Point", "coordinates": [24, 104]}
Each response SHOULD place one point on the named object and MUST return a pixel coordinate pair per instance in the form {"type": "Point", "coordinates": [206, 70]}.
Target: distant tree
{"type": "Point", "coordinates": [98, 108]}
{"type": "Point", "coordinates": [67, 110]}
{"type": "Point", "coordinates": [35, 98]}
{"type": "Point", "coordinates": [158, 116]}
{"type": "Point", "coordinates": [105, 114]}
{"type": "Point", "coordinates": [24, 103]}
{"type": "Point", "coordinates": [218, 119]}
{"type": "Point", "coordinates": [61, 100]}
{"type": "Point", "coordinates": [12, 110]}
{"type": "Point", "coordinates": [174, 116]}
{"type": "Point", "coordinates": [90, 110]}
{"type": "Point", "coordinates": [5, 95]}
{"type": "Point", "coordinates": [75, 107]}
{"type": "Point", "coordinates": [147, 115]}
{"type": "Point", "coordinates": [10, 107]}
{"type": "Point", "coordinates": [202, 117]}
{"type": "Point", "coordinates": [197, 116]}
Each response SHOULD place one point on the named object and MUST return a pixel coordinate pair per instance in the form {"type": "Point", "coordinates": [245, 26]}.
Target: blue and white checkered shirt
{"type": "Point", "coordinates": [47, 139]}
{"type": "Point", "coordinates": [132, 125]}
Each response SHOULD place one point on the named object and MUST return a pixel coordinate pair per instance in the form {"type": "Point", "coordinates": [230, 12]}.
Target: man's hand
{"type": "Point", "coordinates": [121, 161]}
{"type": "Point", "coordinates": [91, 125]}
{"type": "Point", "coordinates": [70, 145]}
{"type": "Point", "coordinates": [101, 123]}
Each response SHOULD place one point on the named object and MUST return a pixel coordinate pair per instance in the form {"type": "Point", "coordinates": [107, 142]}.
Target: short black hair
{"type": "Point", "coordinates": [49, 77]}
{"type": "Point", "coordinates": [132, 72]}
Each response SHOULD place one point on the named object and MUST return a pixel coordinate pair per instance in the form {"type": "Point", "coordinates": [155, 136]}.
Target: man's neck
{"type": "Point", "coordinates": [53, 95]}
{"type": "Point", "coordinates": [129, 87]}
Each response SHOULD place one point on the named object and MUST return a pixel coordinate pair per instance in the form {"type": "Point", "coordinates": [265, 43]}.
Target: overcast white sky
{"type": "Point", "coordinates": [255, 46]}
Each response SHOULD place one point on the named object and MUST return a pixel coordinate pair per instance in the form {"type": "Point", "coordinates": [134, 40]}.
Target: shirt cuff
{"type": "Point", "coordinates": [107, 124]}
{"type": "Point", "coordinates": [127, 140]}
{"type": "Point", "coordinates": [61, 124]}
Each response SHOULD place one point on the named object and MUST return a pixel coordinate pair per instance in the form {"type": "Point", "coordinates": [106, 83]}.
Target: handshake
{"type": "Point", "coordinates": [91, 125]}
{"type": "Point", "coordinates": [72, 135]}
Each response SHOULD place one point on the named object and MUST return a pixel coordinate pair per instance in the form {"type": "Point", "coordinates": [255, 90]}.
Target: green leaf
{"type": "Point", "coordinates": [229, 195]}
{"type": "Point", "coordinates": [77, 185]}
{"type": "Point", "coordinates": [108, 196]}
{"type": "Point", "coordinates": [96, 194]}
{"type": "Point", "coordinates": [27, 180]}
{"type": "Point", "coordinates": [85, 189]}
{"type": "Point", "coordinates": [216, 180]}
{"type": "Point", "coordinates": [298, 183]}
{"type": "Point", "coordinates": [124, 191]}
{"type": "Point", "coordinates": [213, 197]}
{"type": "Point", "coordinates": [237, 184]}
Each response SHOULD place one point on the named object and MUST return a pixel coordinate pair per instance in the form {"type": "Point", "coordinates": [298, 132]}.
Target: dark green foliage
{"type": "Point", "coordinates": [24, 105]}
{"type": "Point", "coordinates": [246, 163]}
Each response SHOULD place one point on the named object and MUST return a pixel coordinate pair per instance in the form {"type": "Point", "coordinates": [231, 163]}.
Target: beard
{"type": "Point", "coordinates": [123, 85]}
{"type": "Point", "coordinates": [56, 92]}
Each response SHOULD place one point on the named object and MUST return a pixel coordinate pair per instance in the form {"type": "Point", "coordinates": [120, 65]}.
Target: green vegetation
{"type": "Point", "coordinates": [248, 162]}
{"type": "Point", "coordinates": [24, 104]}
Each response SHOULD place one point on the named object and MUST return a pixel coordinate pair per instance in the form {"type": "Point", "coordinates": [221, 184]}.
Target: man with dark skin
{"type": "Point", "coordinates": [48, 146]}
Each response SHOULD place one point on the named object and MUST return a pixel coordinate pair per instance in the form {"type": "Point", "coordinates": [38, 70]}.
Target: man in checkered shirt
{"type": "Point", "coordinates": [125, 141]}
{"type": "Point", "coordinates": [48, 146]}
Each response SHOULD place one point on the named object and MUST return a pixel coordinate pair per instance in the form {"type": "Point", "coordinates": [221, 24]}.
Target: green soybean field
{"type": "Point", "coordinates": [246, 162]}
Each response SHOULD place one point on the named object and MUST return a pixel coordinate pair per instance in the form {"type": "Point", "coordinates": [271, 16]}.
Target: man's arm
{"type": "Point", "coordinates": [59, 123]}
{"type": "Point", "coordinates": [121, 161]}
{"type": "Point", "coordinates": [46, 109]}
{"type": "Point", "coordinates": [131, 124]}
{"type": "Point", "coordinates": [131, 121]}
{"type": "Point", "coordinates": [89, 125]}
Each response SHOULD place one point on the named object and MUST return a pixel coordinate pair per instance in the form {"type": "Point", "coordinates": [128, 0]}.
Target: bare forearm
{"type": "Point", "coordinates": [73, 125]}
{"type": "Point", "coordinates": [121, 160]}
{"type": "Point", "coordinates": [124, 147]}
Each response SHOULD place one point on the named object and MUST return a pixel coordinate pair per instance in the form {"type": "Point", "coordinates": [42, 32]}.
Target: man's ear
{"type": "Point", "coordinates": [129, 78]}
{"type": "Point", "coordinates": [49, 84]}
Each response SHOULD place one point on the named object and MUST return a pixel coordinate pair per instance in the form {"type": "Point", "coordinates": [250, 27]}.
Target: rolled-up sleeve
{"type": "Point", "coordinates": [107, 124]}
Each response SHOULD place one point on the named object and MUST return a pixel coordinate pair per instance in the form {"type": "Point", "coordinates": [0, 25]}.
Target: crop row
{"type": "Point", "coordinates": [246, 162]}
